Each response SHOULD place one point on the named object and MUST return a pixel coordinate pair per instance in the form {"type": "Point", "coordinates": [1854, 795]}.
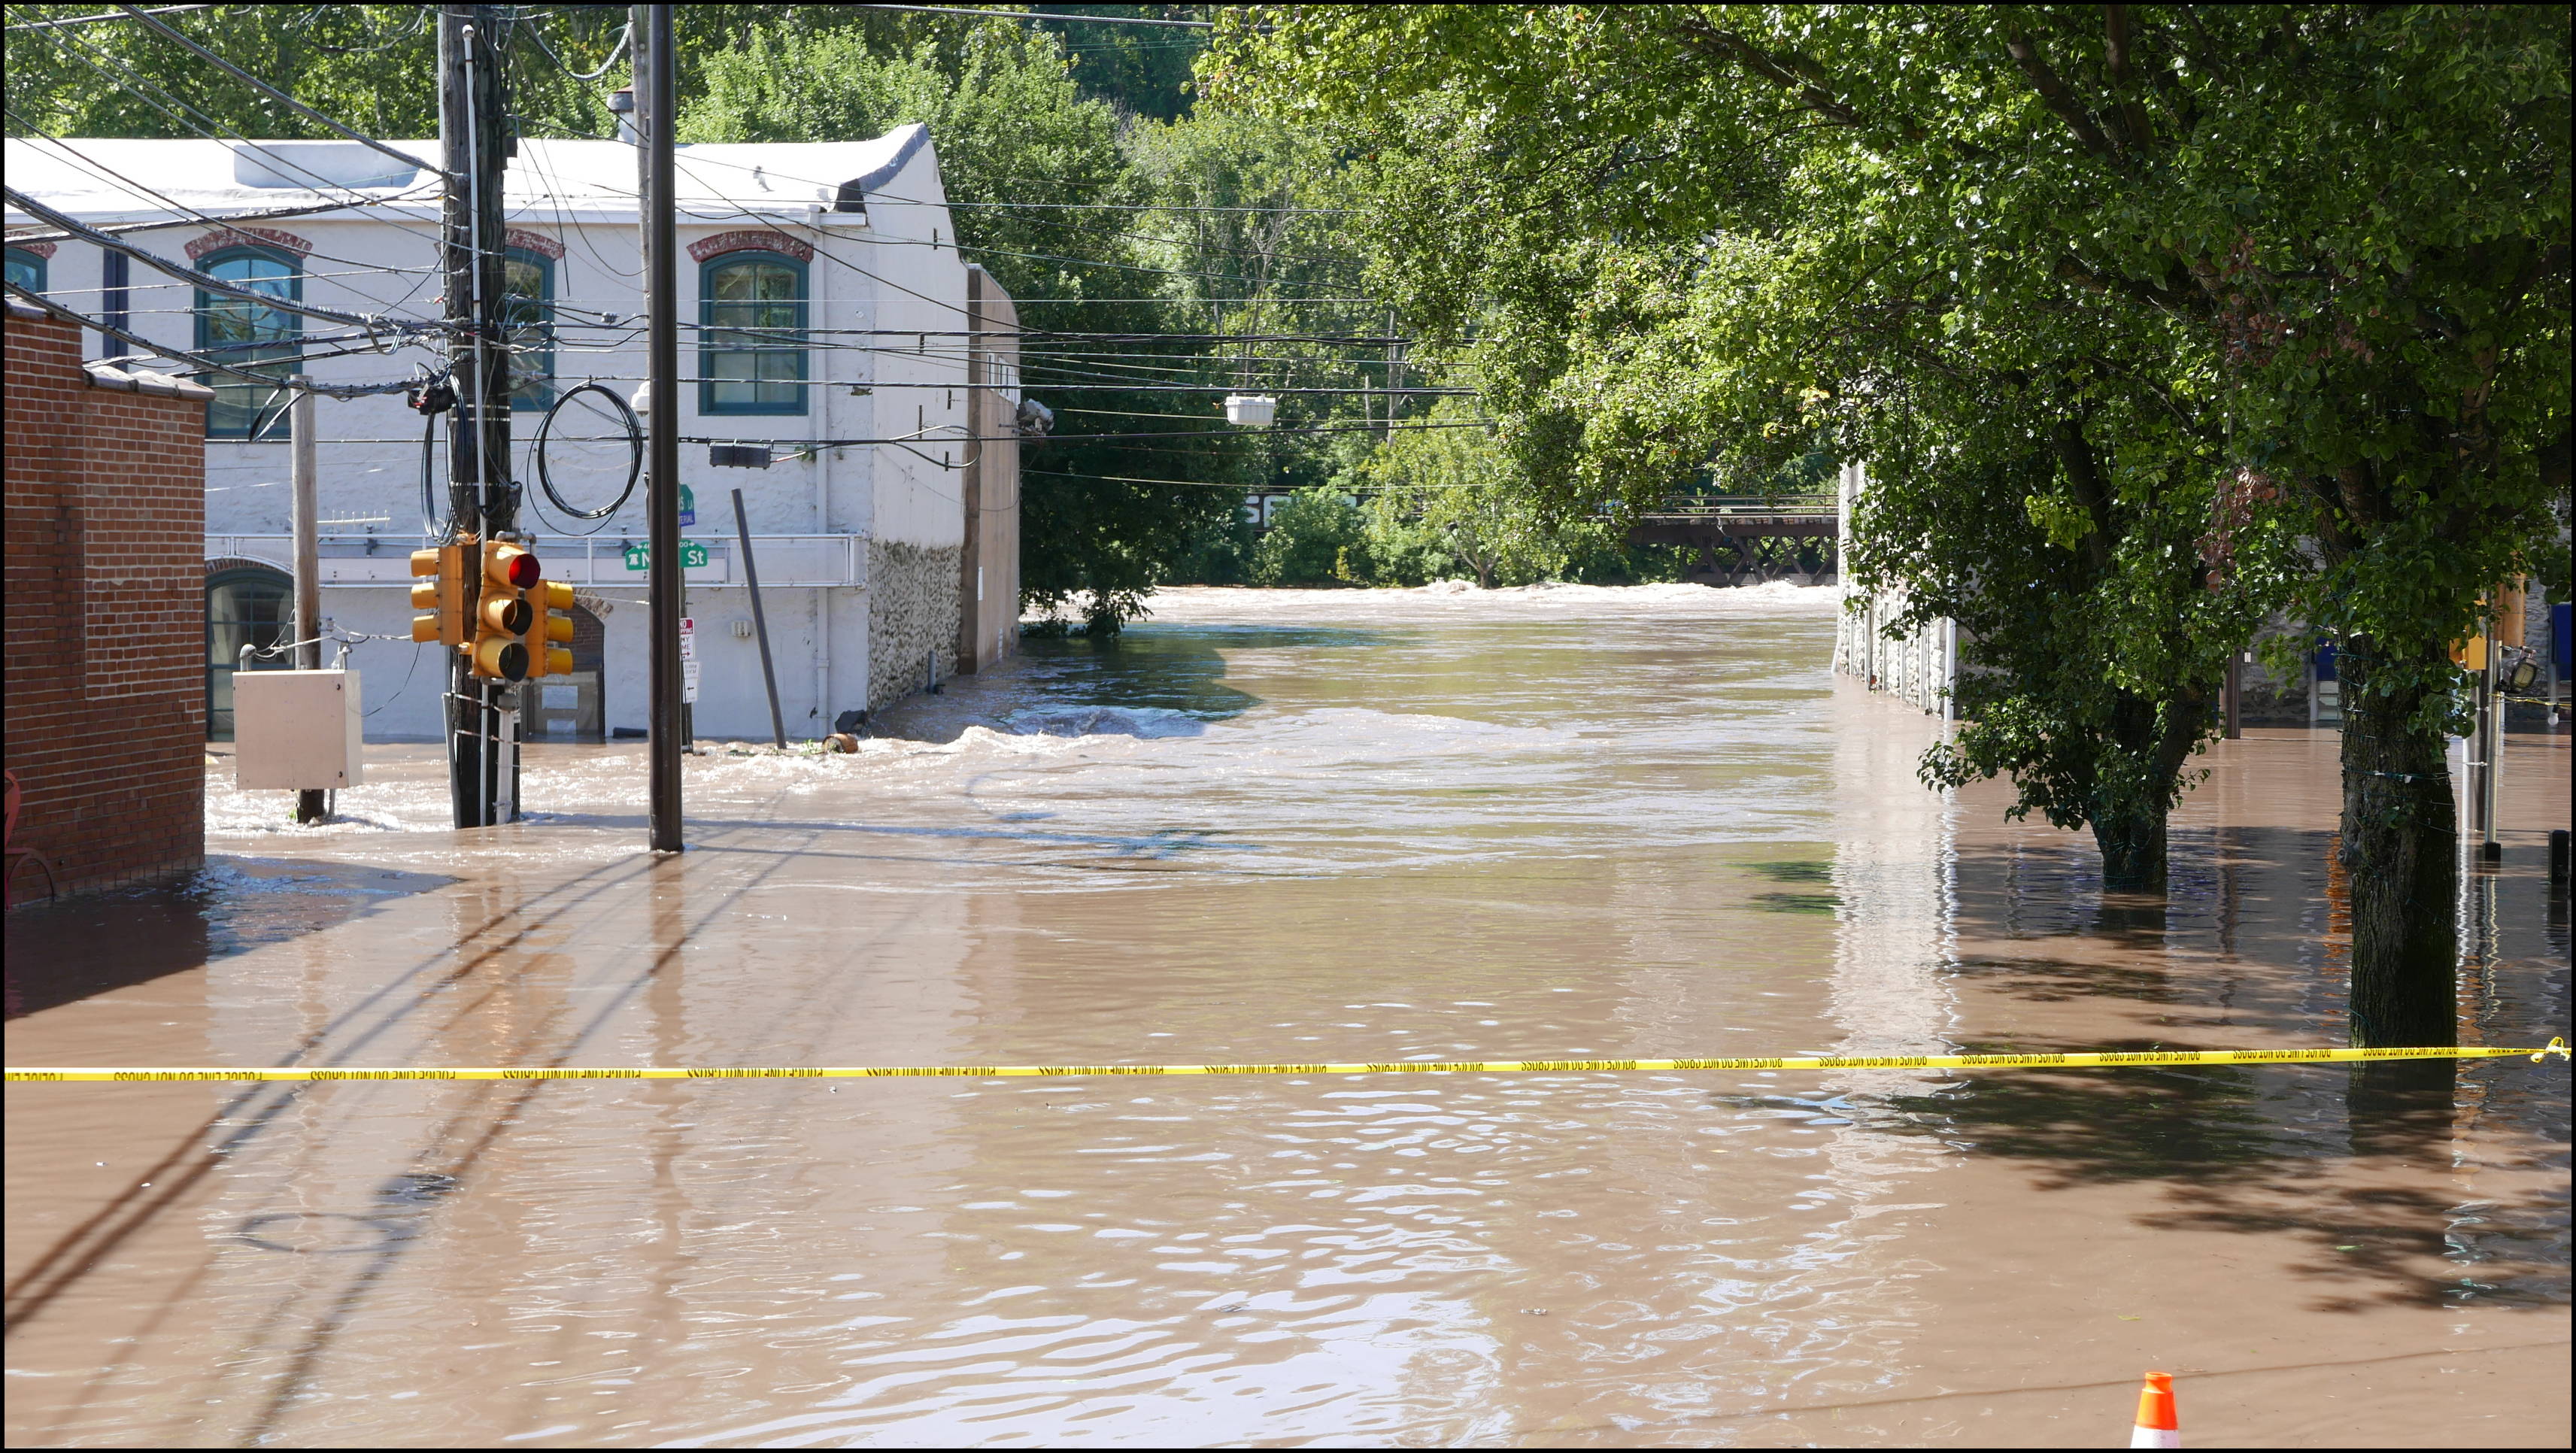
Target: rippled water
{"type": "Point", "coordinates": [1284, 826]}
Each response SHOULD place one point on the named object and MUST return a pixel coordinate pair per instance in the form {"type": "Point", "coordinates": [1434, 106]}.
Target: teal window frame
{"type": "Point", "coordinates": [225, 417]}
{"type": "Point", "coordinates": [753, 342]}
{"type": "Point", "coordinates": [27, 270]}
{"type": "Point", "coordinates": [532, 373]}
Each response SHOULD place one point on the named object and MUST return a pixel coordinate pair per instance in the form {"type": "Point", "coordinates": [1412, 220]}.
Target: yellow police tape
{"type": "Point", "coordinates": [2105, 1059]}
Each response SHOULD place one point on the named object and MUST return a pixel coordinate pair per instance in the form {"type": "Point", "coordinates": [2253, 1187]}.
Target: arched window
{"type": "Point", "coordinates": [530, 301]}
{"type": "Point", "coordinates": [751, 355]}
{"type": "Point", "coordinates": [26, 269]}
{"type": "Point", "coordinates": [251, 335]}
{"type": "Point", "coordinates": [247, 604]}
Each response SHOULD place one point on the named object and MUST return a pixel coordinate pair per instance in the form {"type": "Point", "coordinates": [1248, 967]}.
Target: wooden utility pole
{"type": "Point", "coordinates": [663, 579]}
{"type": "Point", "coordinates": [1394, 373]}
{"type": "Point", "coordinates": [304, 493]}
{"type": "Point", "coordinates": [474, 134]}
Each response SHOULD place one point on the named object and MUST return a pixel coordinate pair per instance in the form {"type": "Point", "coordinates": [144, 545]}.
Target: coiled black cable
{"type": "Point", "coordinates": [634, 452]}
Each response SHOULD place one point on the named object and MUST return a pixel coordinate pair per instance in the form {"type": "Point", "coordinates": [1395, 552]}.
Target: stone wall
{"type": "Point", "coordinates": [912, 616]}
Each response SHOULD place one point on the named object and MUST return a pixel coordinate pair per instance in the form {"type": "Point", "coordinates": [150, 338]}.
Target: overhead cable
{"type": "Point", "coordinates": [201, 361]}
{"type": "Point", "coordinates": [210, 127]}
{"type": "Point", "coordinates": [255, 83]}
{"type": "Point", "coordinates": [189, 215]}
{"type": "Point", "coordinates": [70, 20]}
{"type": "Point", "coordinates": [1047, 15]}
{"type": "Point", "coordinates": [625, 33]}
{"type": "Point", "coordinates": [214, 284]}
{"type": "Point", "coordinates": [194, 219]}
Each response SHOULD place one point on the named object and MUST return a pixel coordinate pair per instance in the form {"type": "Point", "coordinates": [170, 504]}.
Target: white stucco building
{"type": "Point", "coordinates": [861, 323]}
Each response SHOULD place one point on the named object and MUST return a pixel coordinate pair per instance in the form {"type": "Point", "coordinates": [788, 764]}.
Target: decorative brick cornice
{"type": "Point", "coordinates": [750, 241]}
{"type": "Point", "coordinates": [247, 237]}
{"type": "Point", "coordinates": [218, 564]}
{"type": "Point", "coordinates": [536, 242]}
{"type": "Point", "coordinates": [38, 249]}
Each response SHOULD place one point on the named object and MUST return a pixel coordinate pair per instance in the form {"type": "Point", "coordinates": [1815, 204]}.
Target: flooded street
{"type": "Point", "coordinates": [1271, 826]}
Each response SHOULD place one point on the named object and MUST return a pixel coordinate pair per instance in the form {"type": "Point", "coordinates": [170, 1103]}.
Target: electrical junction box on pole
{"type": "Point", "coordinates": [297, 730]}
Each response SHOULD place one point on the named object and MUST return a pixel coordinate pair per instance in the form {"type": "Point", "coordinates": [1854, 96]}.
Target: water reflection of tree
{"type": "Point", "coordinates": [2372, 1204]}
{"type": "Point", "coordinates": [2103, 1125]}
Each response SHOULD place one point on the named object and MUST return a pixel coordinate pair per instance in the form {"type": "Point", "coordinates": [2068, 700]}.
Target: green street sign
{"type": "Point", "coordinates": [693, 553]}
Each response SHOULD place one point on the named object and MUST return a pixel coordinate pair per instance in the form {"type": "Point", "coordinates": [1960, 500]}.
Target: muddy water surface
{"type": "Point", "coordinates": [1285, 826]}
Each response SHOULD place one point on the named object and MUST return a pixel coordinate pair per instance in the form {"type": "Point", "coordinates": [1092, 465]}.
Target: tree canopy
{"type": "Point", "coordinates": [2226, 307]}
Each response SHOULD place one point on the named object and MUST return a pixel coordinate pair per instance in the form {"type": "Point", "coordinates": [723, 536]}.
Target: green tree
{"type": "Point", "coordinates": [2351, 219]}
{"type": "Point", "coordinates": [1312, 539]}
{"type": "Point", "coordinates": [1143, 70]}
{"type": "Point", "coordinates": [1446, 506]}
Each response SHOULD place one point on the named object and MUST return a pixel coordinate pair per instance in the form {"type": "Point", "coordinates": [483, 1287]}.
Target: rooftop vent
{"type": "Point", "coordinates": [312, 165]}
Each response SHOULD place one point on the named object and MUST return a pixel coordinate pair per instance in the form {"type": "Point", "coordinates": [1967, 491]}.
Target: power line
{"type": "Point", "coordinates": [255, 83]}
{"type": "Point", "coordinates": [764, 169]}
{"type": "Point", "coordinates": [202, 362]}
{"type": "Point", "coordinates": [1115, 207]}
{"type": "Point", "coordinates": [117, 178]}
{"type": "Point", "coordinates": [1131, 479]}
{"type": "Point", "coordinates": [210, 128]}
{"type": "Point", "coordinates": [625, 33]}
{"type": "Point", "coordinates": [121, 13]}
{"type": "Point", "coordinates": [1228, 433]}
{"type": "Point", "coordinates": [1047, 15]}
{"type": "Point", "coordinates": [209, 281]}
{"type": "Point", "coordinates": [194, 218]}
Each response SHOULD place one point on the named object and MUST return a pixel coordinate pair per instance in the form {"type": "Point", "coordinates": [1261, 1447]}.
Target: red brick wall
{"type": "Point", "coordinates": [106, 696]}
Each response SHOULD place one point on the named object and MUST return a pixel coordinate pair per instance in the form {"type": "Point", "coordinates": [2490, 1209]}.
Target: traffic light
{"type": "Point", "coordinates": [442, 596]}
{"type": "Point", "coordinates": [550, 643]}
{"type": "Point", "coordinates": [505, 615]}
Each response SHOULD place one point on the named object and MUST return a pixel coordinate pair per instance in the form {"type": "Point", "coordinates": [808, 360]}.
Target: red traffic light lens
{"type": "Point", "coordinates": [524, 571]}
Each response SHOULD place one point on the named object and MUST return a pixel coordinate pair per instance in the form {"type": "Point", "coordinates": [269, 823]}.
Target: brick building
{"type": "Point", "coordinates": [106, 695]}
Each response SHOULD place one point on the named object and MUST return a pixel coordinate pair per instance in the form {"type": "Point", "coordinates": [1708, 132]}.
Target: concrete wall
{"type": "Point", "coordinates": [105, 480]}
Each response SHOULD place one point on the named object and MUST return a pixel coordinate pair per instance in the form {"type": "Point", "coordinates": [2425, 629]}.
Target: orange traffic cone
{"type": "Point", "coordinates": [2157, 1427]}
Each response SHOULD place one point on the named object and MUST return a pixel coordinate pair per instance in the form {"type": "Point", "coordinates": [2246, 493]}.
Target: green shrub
{"type": "Point", "coordinates": [1316, 537]}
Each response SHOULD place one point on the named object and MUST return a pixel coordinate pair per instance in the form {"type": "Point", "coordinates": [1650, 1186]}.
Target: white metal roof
{"type": "Point", "coordinates": [109, 179]}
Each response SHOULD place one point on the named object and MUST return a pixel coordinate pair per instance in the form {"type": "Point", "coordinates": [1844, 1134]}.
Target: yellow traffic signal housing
{"type": "Point", "coordinates": [441, 597]}
{"type": "Point", "coordinates": [550, 641]}
{"type": "Point", "coordinates": [505, 615]}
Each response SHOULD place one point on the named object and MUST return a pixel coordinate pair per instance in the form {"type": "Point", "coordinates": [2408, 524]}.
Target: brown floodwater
{"type": "Point", "coordinates": [1287, 826]}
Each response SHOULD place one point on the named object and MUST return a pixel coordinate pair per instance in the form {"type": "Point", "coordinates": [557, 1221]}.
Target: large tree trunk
{"type": "Point", "coordinates": [2401, 841]}
{"type": "Point", "coordinates": [2130, 808]}
{"type": "Point", "coordinates": [2132, 839]}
